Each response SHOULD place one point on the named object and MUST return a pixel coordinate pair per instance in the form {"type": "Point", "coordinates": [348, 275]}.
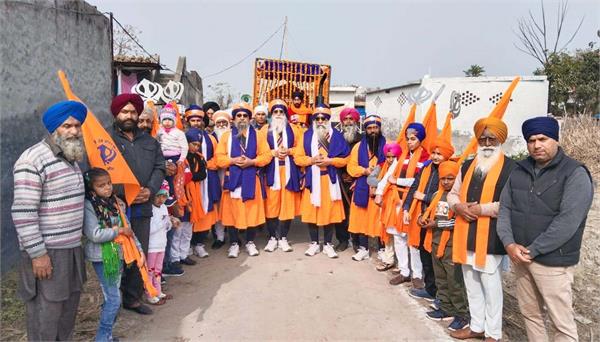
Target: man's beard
{"type": "Point", "coordinates": [487, 156]}
{"type": "Point", "coordinates": [127, 125]}
{"type": "Point", "coordinates": [71, 147]}
{"type": "Point", "coordinates": [241, 127]}
{"type": "Point", "coordinates": [278, 124]}
{"type": "Point", "coordinates": [350, 133]}
{"type": "Point", "coordinates": [373, 141]}
{"type": "Point", "coordinates": [220, 130]}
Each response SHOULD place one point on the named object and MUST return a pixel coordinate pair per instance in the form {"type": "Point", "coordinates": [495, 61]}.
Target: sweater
{"type": "Point", "coordinates": [47, 210]}
{"type": "Point", "coordinates": [173, 143]}
{"type": "Point", "coordinates": [160, 224]}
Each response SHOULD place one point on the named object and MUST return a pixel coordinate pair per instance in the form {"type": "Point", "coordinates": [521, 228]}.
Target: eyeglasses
{"type": "Point", "coordinates": [241, 115]}
{"type": "Point", "coordinates": [321, 118]}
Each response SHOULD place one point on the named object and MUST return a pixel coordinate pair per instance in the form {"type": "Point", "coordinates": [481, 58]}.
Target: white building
{"type": "Point", "coordinates": [339, 98]}
{"type": "Point", "coordinates": [478, 96]}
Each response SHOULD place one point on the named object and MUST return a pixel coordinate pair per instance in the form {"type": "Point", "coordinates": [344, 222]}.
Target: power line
{"type": "Point", "coordinates": [249, 55]}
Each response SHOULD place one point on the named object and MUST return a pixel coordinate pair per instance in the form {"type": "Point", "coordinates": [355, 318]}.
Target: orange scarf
{"type": "Point", "coordinates": [430, 213]}
{"type": "Point", "coordinates": [193, 191]}
{"type": "Point", "coordinates": [386, 209]}
{"type": "Point", "coordinates": [414, 230]}
{"type": "Point", "coordinates": [410, 173]}
{"type": "Point", "coordinates": [131, 253]}
{"type": "Point", "coordinates": [461, 227]}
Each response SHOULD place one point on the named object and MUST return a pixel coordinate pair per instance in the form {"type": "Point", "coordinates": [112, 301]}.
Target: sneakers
{"type": "Point", "coordinates": [399, 279]}
{"type": "Point", "coordinates": [217, 244]}
{"type": "Point", "coordinates": [362, 254]}
{"type": "Point", "coordinates": [271, 245]}
{"type": "Point", "coordinates": [173, 271]}
{"type": "Point", "coordinates": [284, 245]}
{"type": "Point", "coordinates": [200, 252]}
{"type": "Point", "coordinates": [188, 261]}
{"type": "Point", "coordinates": [466, 333]}
{"type": "Point", "coordinates": [342, 246]}
{"type": "Point", "coordinates": [417, 283]}
{"type": "Point", "coordinates": [251, 248]}
{"type": "Point", "coordinates": [421, 294]}
{"type": "Point", "coordinates": [313, 249]}
{"type": "Point", "coordinates": [438, 315]}
{"type": "Point", "coordinates": [234, 251]}
{"type": "Point", "coordinates": [458, 323]}
{"type": "Point", "coordinates": [435, 305]}
{"type": "Point", "coordinates": [330, 251]}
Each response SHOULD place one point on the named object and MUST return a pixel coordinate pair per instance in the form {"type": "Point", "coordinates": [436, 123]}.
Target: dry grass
{"type": "Point", "coordinates": [580, 138]}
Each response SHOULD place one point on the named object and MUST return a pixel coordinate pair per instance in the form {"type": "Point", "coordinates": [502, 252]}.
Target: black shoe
{"type": "Point", "coordinates": [342, 246]}
{"type": "Point", "coordinates": [173, 271]}
{"type": "Point", "coordinates": [217, 244]}
{"type": "Point", "coordinates": [188, 261]}
{"type": "Point", "coordinates": [141, 309]}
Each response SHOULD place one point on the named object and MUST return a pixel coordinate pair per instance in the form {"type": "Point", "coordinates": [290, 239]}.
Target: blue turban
{"type": "Point", "coordinates": [419, 128]}
{"type": "Point", "coordinates": [60, 112]}
{"type": "Point", "coordinates": [193, 135]}
{"type": "Point", "coordinates": [194, 107]}
{"type": "Point", "coordinates": [540, 125]}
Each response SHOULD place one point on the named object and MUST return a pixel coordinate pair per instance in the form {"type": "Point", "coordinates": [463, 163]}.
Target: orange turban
{"type": "Point", "coordinates": [241, 107]}
{"type": "Point", "coordinates": [445, 148]}
{"type": "Point", "coordinates": [448, 168]}
{"type": "Point", "coordinates": [495, 125]}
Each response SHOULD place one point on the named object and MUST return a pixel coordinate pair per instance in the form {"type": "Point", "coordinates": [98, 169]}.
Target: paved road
{"type": "Point", "coordinates": [285, 296]}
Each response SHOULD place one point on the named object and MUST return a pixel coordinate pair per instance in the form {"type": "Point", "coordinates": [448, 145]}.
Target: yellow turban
{"type": "Point", "coordinates": [495, 125]}
{"type": "Point", "coordinates": [448, 168]}
{"type": "Point", "coordinates": [445, 148]}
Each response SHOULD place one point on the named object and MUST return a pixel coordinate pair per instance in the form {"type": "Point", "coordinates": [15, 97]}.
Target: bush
{"type": "Point", "coordinates": [580, 138]}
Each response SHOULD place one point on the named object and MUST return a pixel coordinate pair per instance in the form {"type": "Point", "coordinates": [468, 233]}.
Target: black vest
{"type": "Point", "coordinates": [535, 203]}
{"type": "Point", "coordinates": [495, 245]}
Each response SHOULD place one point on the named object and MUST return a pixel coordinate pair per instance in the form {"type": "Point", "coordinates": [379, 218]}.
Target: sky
{"type": "Point", "coordinates": [367, 43]}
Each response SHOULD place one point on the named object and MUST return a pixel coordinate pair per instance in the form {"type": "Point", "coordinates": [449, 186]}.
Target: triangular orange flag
{"type": "Point", "coordinates": [446, 133]}
{"type": "Point", "coordinates": [401, 139]}
{"type": "Point", "coordinates": [497, 112]}
{"type": "Point", "coordinates": [178, 122]}
{"type": "Point", "coordinates": [101, 149]}
{"type": "Point", "coordinates": [155, 123]}
{"type": "Point", "coordinates": [431, 130]}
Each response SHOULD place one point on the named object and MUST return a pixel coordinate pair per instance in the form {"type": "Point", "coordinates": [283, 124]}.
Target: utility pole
{"type": "Point", "coordinates": [283, 38]}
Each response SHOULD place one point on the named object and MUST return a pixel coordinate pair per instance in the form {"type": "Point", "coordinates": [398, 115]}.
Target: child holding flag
{"type": "Point", "coordinates": [102, 225]}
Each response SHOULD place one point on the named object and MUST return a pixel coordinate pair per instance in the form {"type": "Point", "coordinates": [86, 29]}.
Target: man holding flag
{"type": "Point", "coordinates": [48, 215]}
{"type": "Point", "coordinates": [144, 157]}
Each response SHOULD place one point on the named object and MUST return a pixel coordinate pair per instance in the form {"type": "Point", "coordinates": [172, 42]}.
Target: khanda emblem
{"type": "Point", "coordinates": [107, 152]}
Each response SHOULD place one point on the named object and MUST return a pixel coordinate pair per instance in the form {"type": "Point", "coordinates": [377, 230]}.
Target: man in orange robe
{"type": "Point", "coordinates": [364, 213]}
{"type": "Point", "coordinates": [282, 177]}
{"type": "Point", "coordinates": [323, 151]}
{"type": "Point", "coordinates": [475, 244]}
{"type": "Point", "coordinates": [299, 113]}
{"type": "Point", "coordinates": [241, 152]}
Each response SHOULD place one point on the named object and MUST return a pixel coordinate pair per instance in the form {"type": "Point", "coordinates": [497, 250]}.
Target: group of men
{"type": "Point", "coordinates": [270, 164]}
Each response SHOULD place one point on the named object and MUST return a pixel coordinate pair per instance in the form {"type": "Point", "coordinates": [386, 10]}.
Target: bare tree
{"type": "Point", "coordinates": [222, 94]}
{"type": "Point", "coordinates": [534, 36]}
{"type": "Point", "coordinates": [124, 41]}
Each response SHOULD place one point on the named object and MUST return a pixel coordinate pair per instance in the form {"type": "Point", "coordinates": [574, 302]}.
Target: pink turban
{"type": "Point", "coordinates": [351, 112]}
{"type": "Point", "coordinates": [392, 147]}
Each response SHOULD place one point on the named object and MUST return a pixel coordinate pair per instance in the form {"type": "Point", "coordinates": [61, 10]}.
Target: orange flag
{"type": "Point", "coordinates": [497, 112]}
{"type": "Point", "coordinates": [155, 123]}
{"type": "Point", "coordinates": [401, 140]}
{"type": "Point", "coordinates": [430, 123]}
{"type": "Point", "coordinates": [178, 122]}
{"type": "Point", "coordinates": [101, 149]}
{"type": "Point", "coordinates": [446, 133]}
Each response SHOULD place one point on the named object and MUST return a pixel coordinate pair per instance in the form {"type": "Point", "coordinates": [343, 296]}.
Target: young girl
{"type": "Point", "coordinates": [172, 140]}
{"type": "Point", "coordinates": [160, 224]}
{"type": "Point", "coordinates": [101, 226]}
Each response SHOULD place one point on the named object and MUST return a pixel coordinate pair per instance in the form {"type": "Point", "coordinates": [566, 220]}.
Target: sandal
{"type": "Point", "coordinates": [383, 267]}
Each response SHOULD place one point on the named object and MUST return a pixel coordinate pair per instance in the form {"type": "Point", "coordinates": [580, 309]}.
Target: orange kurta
{"type": "Point", "coordinates": [363, 220]}
{"type": "Point", "coordinates": [235, 212]}
{"type": "Point", "coordinates": [207, 220]}
{"type": "Point", "coordinates": [330, 211]}
{"type": "Point", "coordinates": [282, 204]}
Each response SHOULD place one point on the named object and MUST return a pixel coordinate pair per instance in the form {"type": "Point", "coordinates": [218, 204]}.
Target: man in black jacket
{"type": "Point", "coordinates": [144, 157]}
{"type": "Point", "coordinates": [543, 209]}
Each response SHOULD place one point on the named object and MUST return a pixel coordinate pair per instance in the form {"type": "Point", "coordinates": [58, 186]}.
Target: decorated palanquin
{"type": "Point", "coordinates": [279, 79]}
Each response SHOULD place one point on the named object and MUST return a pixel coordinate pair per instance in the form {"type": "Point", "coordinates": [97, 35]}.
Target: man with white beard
{"type": "Point", "coordinates": [282, 177]}
{"type": "Point", "coordinates": [222, 120]}
{"type": "Point", "coordinates": [47, 213]}
{"type": "Point", "coordinates": [323, 152]}
{"type": "Point", "coordinates": [475, 200]}
{"type": "Point", "coordinates": [350, 119]}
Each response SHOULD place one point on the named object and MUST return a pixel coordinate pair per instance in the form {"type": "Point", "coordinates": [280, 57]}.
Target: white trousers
{"type": "Point", "coordinates": [401, 248]}
{"type": "Point", "coordinates": [484, 292]}
{"type": "Point", "coordinates": [180, 246]}
{"type": "Point", "coordinates": [220, 231]}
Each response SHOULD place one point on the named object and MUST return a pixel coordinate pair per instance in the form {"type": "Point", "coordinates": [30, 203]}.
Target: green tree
{"type": "Point", "coordinates": [574, 81]}
{"type": "Point", "coordinates": [474, 71]}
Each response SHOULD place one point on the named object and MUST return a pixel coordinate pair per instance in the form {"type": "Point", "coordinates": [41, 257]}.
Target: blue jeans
{"type": "Point", "coordinates": [111, 305]}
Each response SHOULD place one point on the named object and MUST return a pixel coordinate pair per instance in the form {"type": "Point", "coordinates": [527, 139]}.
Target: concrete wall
{"type": "Point", "coordinates": [529, 99]}
{"type": "Point", "coordinates": [37, 39]}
